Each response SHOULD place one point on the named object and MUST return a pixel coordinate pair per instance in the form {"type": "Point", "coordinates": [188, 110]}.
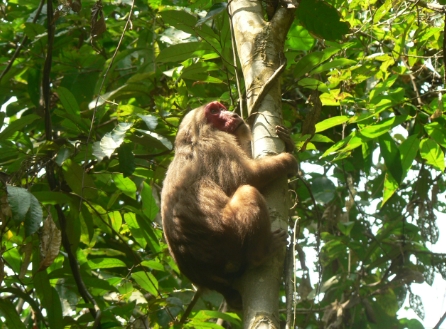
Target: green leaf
{"type": "Point", "coordinates": [111, 141]}
{"type": "Point", "coordinates": [149, 206]}
{"type": "Point", "coordinates": [107, 262]}
{"type": "Point", "coordinates": [155, 265]}
{"type": "Point", "coordinates": [345, 227]}
{"type": "Point", "coordinates": [432, 153]}
{"type": "Point", "coordinates": [8, 311]}
{"type": "Point", "coordinates": [115, 220]}
{"type": "Point", "coordinates": [138, 234]}
{"type": "Point", "coordinates": [339, 145]}
{"type": "Point", "coordinates": [68, 101]}
{"type": "Point", "coordinates": [164, 141]}
{"type": "Point", "coordinates": [313, 84]}
{"type": "Point", "coordinates": [47, 294]}
{"type": "Point", "coordinates": [436, 132]}
{"type": "Point", "coordinates": [318, 138]}
{"type": "Point", "coordinates": [374, 110]}
{"type": "Point", "coordinates": [331, 122]}
{"type": "Point", "coordinates": [25, 208]}
{"type": "Point", "coordinates": [21, 294]}
{"type": "Point", "coordinates": [182, 20]}
{"type": "Point", "coordinates": [79, 181]}
{"type": "Point", "coordinates": [18, 125]}
{"type": "Point", "coordinates": [390, 187]}
{"type": "Point", "coordinates": [409, 150]}
{"type": "Point", "coordinates": [126, 159]}
{"type": "Point", "coordinates": [312, 60]}
{"type": "Point", "coordinates": [379, 129]}
{"type": "Point", "coordinates": [384, 9]}
{"type": "Point", "coordinates": [382, 87]}
{"type": "Point", "coordinates": [323, 189]}
{"type": "Point", "coordinates": [32, 30]}
{"type": "Point", "coordinates": [183, 51]}
{"type": "Point", "coordinates": [49, 197]}
{"type": "Point", "coordinates": [216, 9]}
{"type": "Point", "coordinates": [322, 19]}
{"type": "Point", "coordinates": [34, 80]}
{"type": "Point", "coordinates": [126, 185]}
{"type": "Point", "coordinates": [150, 120]}
{"type": "Point", "coordinates": [335, 63]}
{"type": "Point", "coordinates": [392, 157]}
{"type": "Point", "coordinates": [146, 281]}
{"type": "Point", "coordinates": [205, 315]}
{"type": "Point", "coordinates": [299, 38]}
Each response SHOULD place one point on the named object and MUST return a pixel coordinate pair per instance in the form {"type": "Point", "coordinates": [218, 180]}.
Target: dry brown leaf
{"type": "Point", "coordinates": [50, 241]}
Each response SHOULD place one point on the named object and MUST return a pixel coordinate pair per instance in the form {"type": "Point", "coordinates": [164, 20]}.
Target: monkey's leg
{"type": "Point", "coordinates": [247, 213]}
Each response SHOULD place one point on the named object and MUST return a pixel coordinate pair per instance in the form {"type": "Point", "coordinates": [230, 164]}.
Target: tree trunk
{"type": "Point", "coordinates": [260, 49]}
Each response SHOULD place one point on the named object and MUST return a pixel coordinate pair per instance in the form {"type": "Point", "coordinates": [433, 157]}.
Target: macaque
{"type": "Point", "coordinates": [215, 219]}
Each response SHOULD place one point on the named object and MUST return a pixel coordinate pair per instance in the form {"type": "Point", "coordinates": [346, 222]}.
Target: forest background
{"type": "Point", "coordinates": [363, 96]}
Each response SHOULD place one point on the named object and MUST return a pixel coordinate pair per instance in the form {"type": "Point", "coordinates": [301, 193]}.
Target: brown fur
{"type": "Point", "coordinates": [215, 219]}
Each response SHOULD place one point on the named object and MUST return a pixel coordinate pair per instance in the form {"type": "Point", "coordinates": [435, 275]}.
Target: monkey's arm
{"type": "Point", "coordinates": [260, 172]}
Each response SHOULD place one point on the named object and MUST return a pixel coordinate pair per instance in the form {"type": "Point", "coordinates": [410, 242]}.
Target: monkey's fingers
{"type": "Point", "coordinates": [284, 135]}
{"type": "Point", "coordinates": [279, 240]}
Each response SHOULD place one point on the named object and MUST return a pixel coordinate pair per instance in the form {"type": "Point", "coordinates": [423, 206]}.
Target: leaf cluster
{"type": "Point", "coordinates": [83, 193]}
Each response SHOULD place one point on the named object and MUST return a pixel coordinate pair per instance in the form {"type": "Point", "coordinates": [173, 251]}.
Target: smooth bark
{"type": "Point", "coordinates": [260, 50]}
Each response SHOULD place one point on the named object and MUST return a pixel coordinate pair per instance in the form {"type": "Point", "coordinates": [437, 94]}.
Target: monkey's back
{"type": "Point", "coordinates": [198, 184]}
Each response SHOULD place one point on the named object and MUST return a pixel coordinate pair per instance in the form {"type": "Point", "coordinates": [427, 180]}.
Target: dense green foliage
{"type": "Point", "coordinates": [89, 173]}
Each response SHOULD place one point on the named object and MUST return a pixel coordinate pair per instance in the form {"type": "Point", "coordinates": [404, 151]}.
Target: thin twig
{"type": "Point", "coordinates": [234, 56]}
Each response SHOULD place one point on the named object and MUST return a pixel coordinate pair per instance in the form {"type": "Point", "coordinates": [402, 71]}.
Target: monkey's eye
{"type": "Point", "coordinates": [215, 110]}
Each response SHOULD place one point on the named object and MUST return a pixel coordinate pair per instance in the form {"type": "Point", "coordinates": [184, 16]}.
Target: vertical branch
{"type": "Point", "coordinates": [260, 49]}
{"type": "Point", "coordinates": [52, 182]}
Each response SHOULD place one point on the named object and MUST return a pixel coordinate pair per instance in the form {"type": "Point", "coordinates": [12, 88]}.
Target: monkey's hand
{"type": "Point", "coordinates": [285, 136]}
{"type": "Point", "coordinates": [290, 163]}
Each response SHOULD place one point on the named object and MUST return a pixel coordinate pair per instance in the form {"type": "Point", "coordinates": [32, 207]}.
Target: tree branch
{"type": "Point", "coordinates": [52, 182]}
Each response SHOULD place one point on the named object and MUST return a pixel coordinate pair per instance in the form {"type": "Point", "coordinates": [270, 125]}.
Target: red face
{"type": "Point", "coordinates": [217, 115]}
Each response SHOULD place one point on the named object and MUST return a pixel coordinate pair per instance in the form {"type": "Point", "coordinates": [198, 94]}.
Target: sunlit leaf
{"type": "Point", "coordinates": [409, 150]}
{"type": "Point", "coordinates": [164, 141]}
{"type": "Point", "coordinates": [111, 141]}
{"type": "Point", "coordinates": [312, 60]}
{"type": "Point", "coordinates": [432, 153]}
{"type": "Point", "coordinates": [313, 84]}
{"type": "Point", "coordinates": [331, 122]}
{"type": "Point", "coordinates": [390, 187]}
{"type": "Point", "coordinates": [379, 129]}
{"type": "Point", "coordinates": [298, 38]}
{"type": "Point", "coordinates": [96, 263]}
{"type": "Point", "coordinates": [146, 281]}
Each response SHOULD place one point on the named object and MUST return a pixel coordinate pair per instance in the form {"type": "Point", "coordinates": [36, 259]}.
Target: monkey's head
{"type": "Point", "coordinates": [208, 118]}
{"type": "Point", "coordinates": [217, 116]}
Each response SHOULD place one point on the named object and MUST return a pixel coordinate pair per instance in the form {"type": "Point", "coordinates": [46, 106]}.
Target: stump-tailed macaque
{"type": "Point", "coordinates": [215, 219]}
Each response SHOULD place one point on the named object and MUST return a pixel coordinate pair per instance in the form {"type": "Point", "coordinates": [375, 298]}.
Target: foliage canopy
{"type": "Point", "coordinates": [87, 175]}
